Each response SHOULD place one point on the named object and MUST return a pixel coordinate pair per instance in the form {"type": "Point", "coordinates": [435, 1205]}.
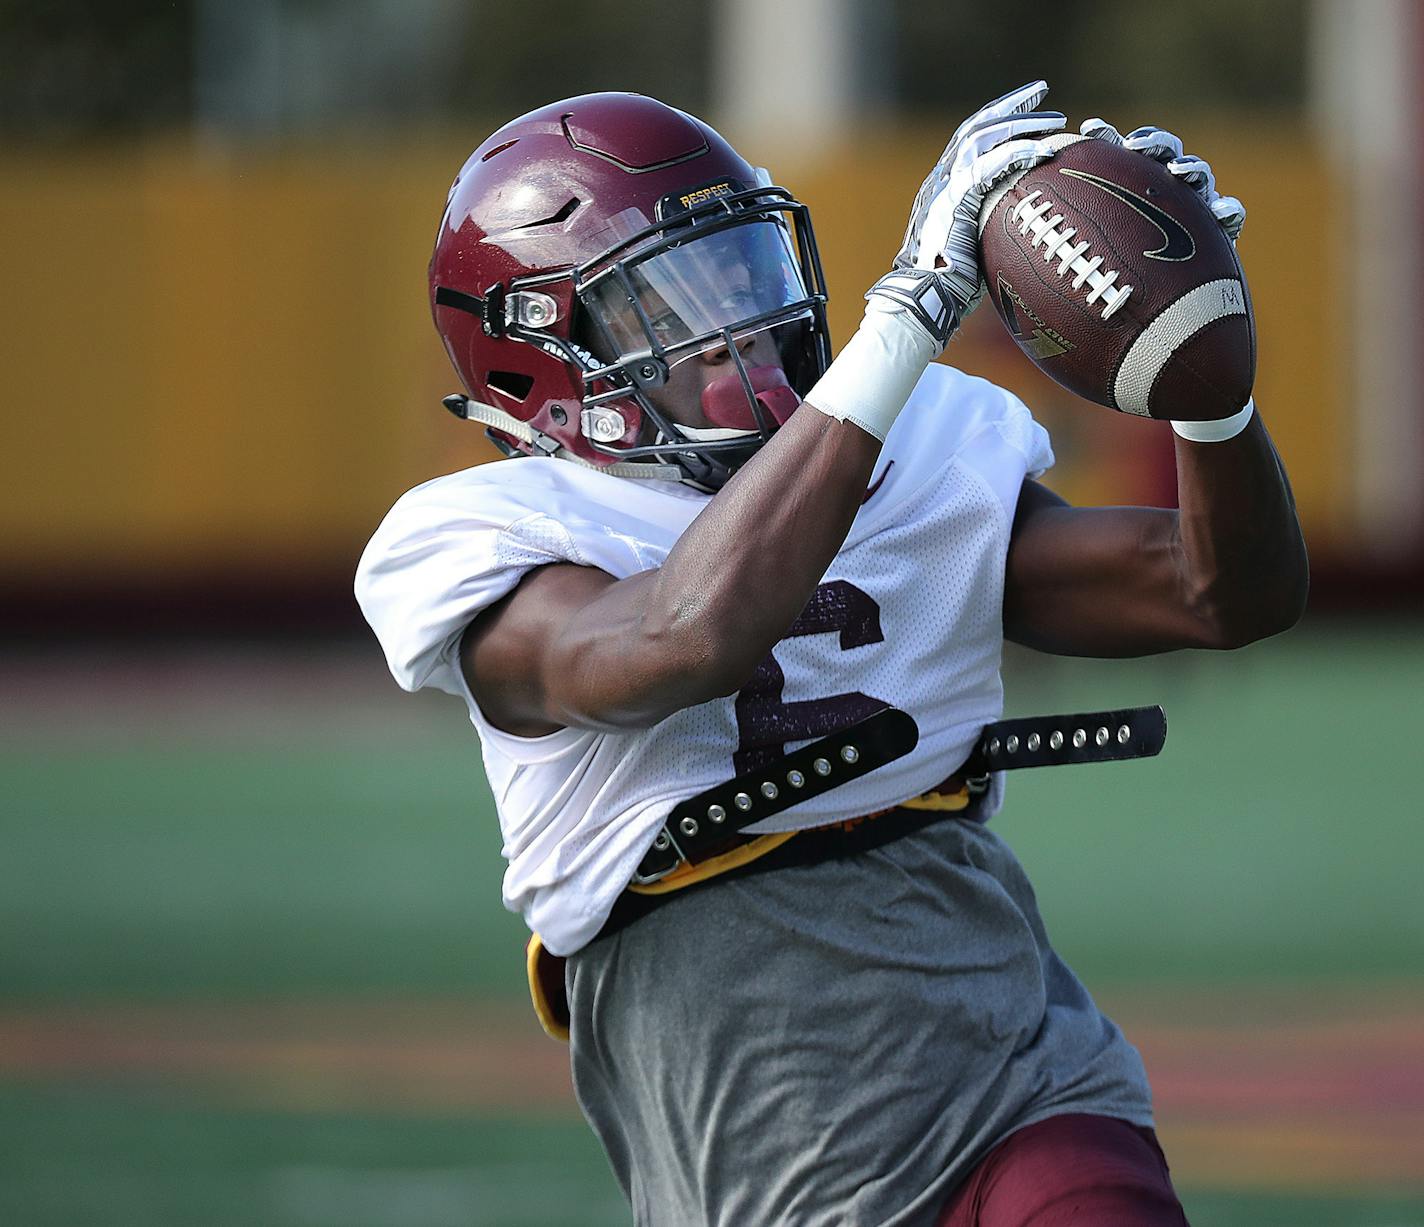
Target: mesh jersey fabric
{"type": "Point", "coordinates": [909, 614]}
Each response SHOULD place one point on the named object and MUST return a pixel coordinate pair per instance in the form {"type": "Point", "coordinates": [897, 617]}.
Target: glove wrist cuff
{"type": "Point", "coordinates": [1221, 429]}
{"type": "Point", "coordinates": [925, 294]}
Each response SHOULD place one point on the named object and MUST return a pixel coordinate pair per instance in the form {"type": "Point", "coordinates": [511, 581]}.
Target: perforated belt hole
{"type": "Point", "coordinates": [795, 779]}
{"type": "Point", "coordinates": [1034, 741]}
{"type": "Point", "coordinates": [662, 841]}
{"type": "Point", "coordinates": [769, 790]}
{"type": "Point", "coordinates": [688, 826]}
{"type": "Point", "coordinates": [821, 766]}
{"type": "Point", "coordinates": [850, 754]}
{"type": "Point", "coordinates": [1080, 738]}
{"type": "Point", "coordinates": [1012, 744]}
{"type": "Point", "coordinates": [1102, 737]}
{"type": "Point", "coordinates": [742, 802]}
{"type": "Point", "coordinates": [1123, 733]}
{"type": "Point", "coordinates": [715, 813]}
{"type": "Point", "coordinates": [1055, 740]}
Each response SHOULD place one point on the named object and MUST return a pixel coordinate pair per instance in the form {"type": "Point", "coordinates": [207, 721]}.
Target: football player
{"type": "Point", "coordinates": [728, 624]}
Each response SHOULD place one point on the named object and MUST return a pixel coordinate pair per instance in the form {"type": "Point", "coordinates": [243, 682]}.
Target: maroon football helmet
{"type": "Point", "coordinates": [589, 247]}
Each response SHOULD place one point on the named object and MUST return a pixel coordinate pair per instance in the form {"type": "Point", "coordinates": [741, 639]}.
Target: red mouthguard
{"type": "Point", "coordinates": [724, 400]}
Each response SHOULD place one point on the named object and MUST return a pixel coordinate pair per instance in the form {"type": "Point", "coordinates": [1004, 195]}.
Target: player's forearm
{"type": "Point", "coordinates": [698, 626]}
{"type": "Point", "coordinates": [745, 568]}
{"type": "Point", "coordinates": [736, 580]}
{"type": "Point", "coordinates": [1243, 559]}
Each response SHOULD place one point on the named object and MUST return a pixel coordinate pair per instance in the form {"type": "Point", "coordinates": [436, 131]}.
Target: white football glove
{"type": "Point", "coordinates": [914, 309]}
{"type": "Point", "coordinates": [1163, 147]}
{"type": "Point", "coordinates": [936, 275]}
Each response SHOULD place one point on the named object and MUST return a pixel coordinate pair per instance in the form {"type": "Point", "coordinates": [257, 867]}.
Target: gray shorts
{"type": "Point", "coordinates": [836, 1043]}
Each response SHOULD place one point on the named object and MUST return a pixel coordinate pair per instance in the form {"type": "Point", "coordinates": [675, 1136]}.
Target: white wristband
{"type": "Point", "coordinates": [873, 376]}
{"type": "Point", "coordinates": [1220, 430]}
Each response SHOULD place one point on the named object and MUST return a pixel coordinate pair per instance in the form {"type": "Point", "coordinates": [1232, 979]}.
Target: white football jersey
{"type": "Point", "coordinates": [909, 614]}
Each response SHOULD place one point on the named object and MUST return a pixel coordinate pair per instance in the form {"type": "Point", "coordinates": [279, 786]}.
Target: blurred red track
{"type": "Point", "coordinates": [1319, 1089]}
{"type": "Point", "coordinates": [1312, 1089]}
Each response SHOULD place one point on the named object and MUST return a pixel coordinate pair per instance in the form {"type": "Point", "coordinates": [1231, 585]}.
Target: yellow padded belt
{"type": "Point", "coordinates": [947, 802]}
{"type": "Point", "coordinates": [689, 875]}
{"type": "Point", "coordinates": [546, 971]}
{"type": "Point", "coordinates": [546, 989]}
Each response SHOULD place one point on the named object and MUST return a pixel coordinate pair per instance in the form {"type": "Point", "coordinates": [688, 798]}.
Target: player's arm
{"type": "Point", "coordinates": [1226, 569]}
{"type": "Point", "coordinates": [574, 647]}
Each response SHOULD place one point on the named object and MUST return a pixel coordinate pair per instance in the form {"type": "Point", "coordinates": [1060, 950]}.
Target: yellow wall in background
{"type": "Point", "coordinates": [212, 360]}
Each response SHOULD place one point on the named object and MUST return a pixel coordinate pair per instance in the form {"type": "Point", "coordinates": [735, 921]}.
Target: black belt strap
{"type": "Point", "coordinates": [708, 824]}
{"type": "Point", "coordinates": [1082, 737]}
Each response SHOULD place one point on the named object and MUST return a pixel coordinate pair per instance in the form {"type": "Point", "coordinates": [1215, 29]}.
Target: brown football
{"type": "Point", "coordinates": [1117, 281]}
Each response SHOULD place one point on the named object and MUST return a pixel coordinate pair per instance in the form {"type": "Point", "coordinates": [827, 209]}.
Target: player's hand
{"type": "Point", "coordinates": [936, 277]}
{"type": "Point", "coordinates": [913, 310]}
{"type": "Point", "coordinates": [1196, 173]}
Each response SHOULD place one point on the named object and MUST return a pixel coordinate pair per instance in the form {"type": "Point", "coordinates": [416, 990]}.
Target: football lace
{"type": "Point", "coordinates": [1059, 245]}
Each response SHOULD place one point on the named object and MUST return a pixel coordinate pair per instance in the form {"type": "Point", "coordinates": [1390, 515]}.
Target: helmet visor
{"type": "Point", "coordinates": [694, 289]}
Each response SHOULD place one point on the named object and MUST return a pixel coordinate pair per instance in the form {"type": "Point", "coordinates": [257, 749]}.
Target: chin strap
{"type": "Point", "coordinates": [546, 445]}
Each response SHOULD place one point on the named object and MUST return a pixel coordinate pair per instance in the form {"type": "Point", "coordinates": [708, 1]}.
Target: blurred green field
{"type": "Point", "coordinates": [97, 1157]}
{"type": "Point", "coordinates": [310, 840]}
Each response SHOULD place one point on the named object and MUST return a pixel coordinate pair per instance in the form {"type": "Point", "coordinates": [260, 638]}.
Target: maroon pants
{"type": "Point", "coordinates": [1087, 1171]}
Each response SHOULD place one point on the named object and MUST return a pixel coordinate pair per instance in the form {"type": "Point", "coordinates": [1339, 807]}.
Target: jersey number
{"type": "Point", "coordinates": [764, 723]}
